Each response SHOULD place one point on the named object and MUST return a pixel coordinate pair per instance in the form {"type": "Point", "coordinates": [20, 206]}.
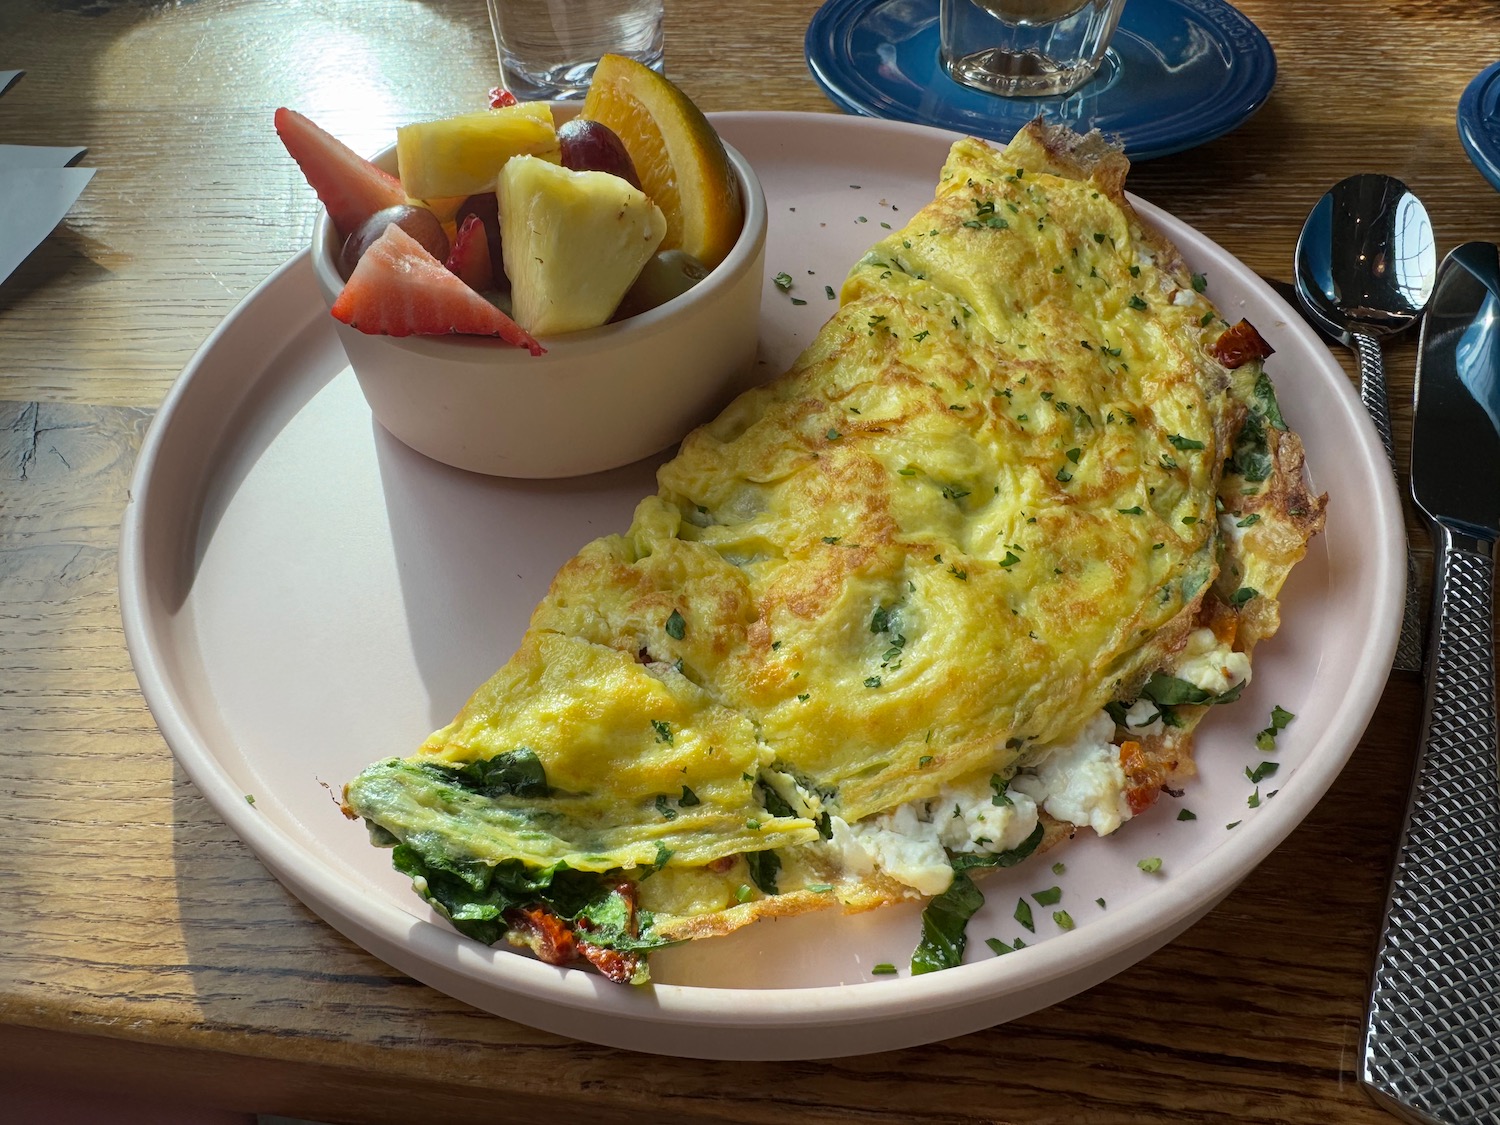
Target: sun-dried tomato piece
{"type": "Point", "coordinates": [1143, 777]}
{"type": "Point", "coordinates": [617, 966]}
{"type": "Point", "coordinates": [1239, 344]}
{"type": "Point", "coordinates": [549, 937]}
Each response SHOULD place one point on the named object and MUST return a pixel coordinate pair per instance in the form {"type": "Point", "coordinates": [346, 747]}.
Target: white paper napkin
{"type": "Point", "coordinates": [37, 187]}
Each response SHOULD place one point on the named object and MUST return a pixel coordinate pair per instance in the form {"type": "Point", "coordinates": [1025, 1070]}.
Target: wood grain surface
{"type": "Point", "coordinates": [143, 947]}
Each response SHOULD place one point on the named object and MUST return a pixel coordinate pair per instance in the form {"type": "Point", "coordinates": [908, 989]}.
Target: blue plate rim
{"type": "Point", "coordinates": [1481, 140]}
{"type": "Point", "coordinates": [1250, 76]}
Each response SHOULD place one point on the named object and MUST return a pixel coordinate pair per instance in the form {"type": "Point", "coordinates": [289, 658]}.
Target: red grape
{"type": "Point", "coordinates": [485, 206]}
{"type": "Point", "coordinates": [590, 146]}
{"type": "Point", "coordinates": [418, 222]}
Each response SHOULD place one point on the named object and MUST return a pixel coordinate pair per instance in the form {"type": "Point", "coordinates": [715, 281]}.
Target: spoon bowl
{"type": "Point", "coordinates": [1366, 259]}
{"type": "Point", "coordinates": [1366, 263]}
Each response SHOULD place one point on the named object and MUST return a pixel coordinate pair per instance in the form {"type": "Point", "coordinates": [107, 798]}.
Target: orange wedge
{"type": "Point", "coordinates": [677, 154]}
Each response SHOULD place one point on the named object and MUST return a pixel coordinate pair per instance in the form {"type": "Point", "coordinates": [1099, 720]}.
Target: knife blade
{"type": "Point", "coordinates": [1431, 1044]}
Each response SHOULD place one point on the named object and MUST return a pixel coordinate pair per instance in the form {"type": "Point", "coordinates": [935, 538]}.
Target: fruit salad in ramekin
{"type": "Point", "coordinates": [525, 292]}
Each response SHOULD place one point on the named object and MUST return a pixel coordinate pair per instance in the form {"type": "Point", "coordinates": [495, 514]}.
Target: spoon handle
{"type": "Point", "coordinates": [1377, 405]}
{"type": "Point", "coordinates": [1372, 389]}
{"type": "Point", "coordinates": [1430, 1052]}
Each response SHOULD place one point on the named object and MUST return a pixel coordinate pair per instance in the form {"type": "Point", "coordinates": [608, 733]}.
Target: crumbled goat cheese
{"type": "Point", "coordinates": [1211, 665]}
{"type": "Point", "coordinates": [1144, 718]}
{"type": "Point", "coordinates": [1079, 781]}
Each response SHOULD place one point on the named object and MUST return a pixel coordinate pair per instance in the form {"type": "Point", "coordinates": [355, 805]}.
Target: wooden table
{"type": "Point", "coordinates": [143, 947]}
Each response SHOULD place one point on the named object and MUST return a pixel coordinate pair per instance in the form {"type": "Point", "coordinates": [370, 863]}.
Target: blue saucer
{"type": "Point", "coordinates": [1178, 73]}
{"type": "Point", "coordinates": [1479, 122]}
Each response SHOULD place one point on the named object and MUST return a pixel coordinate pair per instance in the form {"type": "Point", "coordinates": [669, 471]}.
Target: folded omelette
{"type": "Point", "coordinates": [959, 583]}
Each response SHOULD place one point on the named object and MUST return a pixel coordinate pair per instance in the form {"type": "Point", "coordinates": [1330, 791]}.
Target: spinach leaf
{"type": "Point", "coordinates": [515, 773]}
{"type": "Point", "coordinates": [1265, 402]}
{"type": "Point", "coordinates": [764, 867]}
{"type": "Point", "coordinates": [947, 916]}
{"type": "Point", "coordinates": [775, 803]}
{"type": "Point", "coordinates": [1251, 457]}
{"type": "Point", "coordinates": [1169, 691]}
{"type": "Point", "coordinates": [943, 925]}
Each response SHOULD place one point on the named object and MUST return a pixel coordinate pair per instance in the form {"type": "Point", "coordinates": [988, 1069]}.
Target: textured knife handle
{"type": "Point", "coordinates": [1377, 406]}
{"type": "Point", "coordinates": [1431, 1050]}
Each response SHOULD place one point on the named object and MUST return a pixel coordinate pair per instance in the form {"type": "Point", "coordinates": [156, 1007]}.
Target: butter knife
{"type": "Point", "coordinates": [1431, 1046]}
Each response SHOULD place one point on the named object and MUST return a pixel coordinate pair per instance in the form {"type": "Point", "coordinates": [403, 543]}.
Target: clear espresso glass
{"type": "Point", "coordinates": [548, 48]}
{"type": "Point", "coordinates": [1026, 48]}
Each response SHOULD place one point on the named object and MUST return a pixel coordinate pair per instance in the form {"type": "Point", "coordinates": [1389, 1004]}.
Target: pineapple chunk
{"type": "Point", "coordinates": [460, 156]}
{"type": "Point", "coordinates": [573, 243]}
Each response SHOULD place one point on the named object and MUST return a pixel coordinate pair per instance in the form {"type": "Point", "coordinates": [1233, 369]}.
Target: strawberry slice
{"type": "Point", "coordinates": [470, 256]}
{"type": "Point", "coordinates": [350, 186]}
{"type": "Point", "coordinates": [399, 289]}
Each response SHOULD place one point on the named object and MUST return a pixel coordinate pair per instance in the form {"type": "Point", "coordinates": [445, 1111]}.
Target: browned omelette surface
{"type": "Point", "coordinates": [995, 543]}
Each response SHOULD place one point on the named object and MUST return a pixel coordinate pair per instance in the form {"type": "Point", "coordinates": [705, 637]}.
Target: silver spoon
{"type": "Point", "coordinates": [1365, 265]}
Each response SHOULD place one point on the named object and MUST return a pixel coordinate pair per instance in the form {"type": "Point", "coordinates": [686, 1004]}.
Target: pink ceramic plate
{"type": "Point", "coordinates": [303, 595]}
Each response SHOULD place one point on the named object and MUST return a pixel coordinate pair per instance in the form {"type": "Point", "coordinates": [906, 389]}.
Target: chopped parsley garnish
{"type": "Point", "coordinates": [665, 808]}
{"type": "Point", "coordinates": [676, 626]}
{"type": "Point", "coordinates": [999, 948]}
{"type": "Point", "coordinates": [1259, 773]}
{"type": "Point", "coordinates": [1136, 301]}
{"type": "Point", "coordinates": [1000, 798]}
{"type": "Point", "coordinates": [1183, 443]}
{"type": "Point", "coordinates": [1200, 283]}
{"type": "Point", "coordinates": [688, 798]}
{"type": "Point", "coordinates": [1266, 739]}
{"type": "Point", "coordinates": [663, 730]}
{"type": "Point", "coordinates": [1249, 521]}
{"type": "Point", "coordinates": [1134, 510]}
{"type": "Point", "coordinates": [783, 281]}
{"type": "Point", "coordinates": [1186, 814]}
{"type": "Point", "coordinates": [1023, 915]}
{"type": "Point", "coordinates": [1049, 897]}
{"type": "Point", "coordinates": [872, 681]}
{"type": "Point", "coordinates": [1100, 902]}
